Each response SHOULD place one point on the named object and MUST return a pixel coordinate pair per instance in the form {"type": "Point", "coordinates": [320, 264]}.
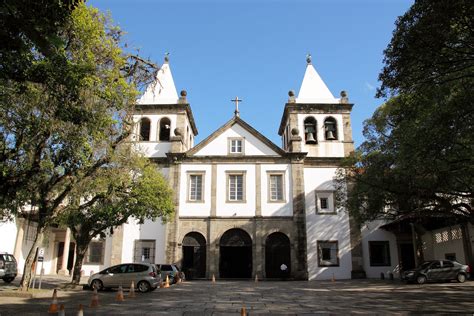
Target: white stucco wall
{"type": "Point", "coordinates": [154, 148]}
{"type": "Point", "coordinates": [325, 227]}
{"type": "Point", "coordinates": [252, 145]}
{"type": "Point", "coordinates": [246, 208]}
{"type": "Point", "coordinates": [131, 232]}
{"type": "Point", "coordinates": [275, 208]}
{"type": "Point", "coordinates": [444, 241]}
{"type": "Point", "coordinates": [323, 148]}
{"type": "Point", "coordinates": [8, 236]}
{"type": "Point", "coordinates": [188, 208]}
{"type": "Point", "coordinates": [155, 230]}
{"type": "Point", "coordinates": [372, 232]}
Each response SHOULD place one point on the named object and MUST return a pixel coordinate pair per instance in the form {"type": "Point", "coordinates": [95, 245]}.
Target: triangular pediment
{"type": "Point", "coordinates": [254, 143]}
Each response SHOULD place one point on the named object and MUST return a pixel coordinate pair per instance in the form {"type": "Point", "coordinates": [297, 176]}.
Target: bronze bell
{"type": "Point", "coordinates": [310, 139]}
{"type": "Point", "coordinates": [330, 135]}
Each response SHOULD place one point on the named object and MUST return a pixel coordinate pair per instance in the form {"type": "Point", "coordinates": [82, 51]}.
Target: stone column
{"type": "Point", "coordinates": [257, 232]}
{"type": "Point", "coordinates": [19, 238]}
{"type": "Point", "coordinates": [300, 264]}
{"type": "Point", "coordinates": [173, 226]}
{"type": "Point", "coordinates": [117, 246]}
{"type": "Point", "coordinates": [67, 241]}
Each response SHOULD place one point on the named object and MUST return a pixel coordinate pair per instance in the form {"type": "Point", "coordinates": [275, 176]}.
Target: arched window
{"type": "Point", "coordinates": [145, 129]}
{"type": "Point", "coordinates": [330, 128]}
{"type": "Point", "coordinates": [310, 130]}
{"type": "Point", "coordinates": [165, 129]}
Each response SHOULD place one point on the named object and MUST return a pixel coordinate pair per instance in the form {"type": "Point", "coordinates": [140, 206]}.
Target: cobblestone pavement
{"type": "Point", "coordinates": [375, 297]}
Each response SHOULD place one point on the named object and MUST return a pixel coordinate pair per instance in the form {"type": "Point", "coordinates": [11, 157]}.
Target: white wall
{"type": "Point", "coordinates": [8, 231]}
{"type": "Point", "coordinates": [237, 209]}
{"type": "Point", "coordinates": [372, 232]}
{"type": "Point", "coordinates": [187, 208]}
{"type": "Point", "coordinates": [276, 208]}
{"type": "Point", "coordinates": [323, 148]}
{"type": "Point", "coordinates": [252, 145]}
{"type": "Point", "coordinates": [155, 231]}
{"type": "Point", "coordinates": [444, 241]}
{"type": "Point", "coordinates": [131, 232]}
{"type": "Point", "coordinates": [325, 227]}
{"type": "Point", "coordinates": [154, 148]}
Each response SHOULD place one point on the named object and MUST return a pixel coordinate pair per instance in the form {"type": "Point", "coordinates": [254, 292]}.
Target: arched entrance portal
{"type": "Point", "coordinates": [235, 254]}
{"type": "Point", "coordinates": [277, 252]}
{"type": "Point", "coordinates": [194, 255]}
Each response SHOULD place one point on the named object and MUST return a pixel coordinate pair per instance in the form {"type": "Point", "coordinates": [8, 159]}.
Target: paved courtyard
{"type": "Point", "coordinates": [273, 298]}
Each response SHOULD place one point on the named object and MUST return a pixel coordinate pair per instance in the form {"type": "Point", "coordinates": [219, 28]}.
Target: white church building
{"type": "Point", "coordinates": [243, 205]}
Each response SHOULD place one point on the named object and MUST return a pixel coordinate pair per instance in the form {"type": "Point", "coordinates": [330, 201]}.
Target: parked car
{"type": "Point", "coordinates": [169, 270]}
{"type": "Point", "coordinates": [437, 270]}
{"type": "Point", "coordinates": [144, 275]}
{"type": "Point", "coordinates": [8, 267]}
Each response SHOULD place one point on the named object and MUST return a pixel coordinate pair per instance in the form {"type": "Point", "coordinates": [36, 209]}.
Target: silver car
{"type": "Point", "coordinates": [8, 267]}
{"type": "Point", "coordinates": [144, 275]}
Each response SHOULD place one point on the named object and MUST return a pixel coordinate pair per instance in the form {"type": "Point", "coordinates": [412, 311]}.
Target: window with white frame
{"type": "Point", "coordinates": [195, 191]}
{"type": "Point", "coordinates": [236, 187]}
{"type": "Point", "coordinates": [325, 202]}
{"type": "Point", "coordinates": [236, 146]}
{"type": "Point", "coordinates": [144, 251]}
{"type": "Point", "coordinates": [328, 253]}
{"type": "Point", "coordinates": [275, 186]}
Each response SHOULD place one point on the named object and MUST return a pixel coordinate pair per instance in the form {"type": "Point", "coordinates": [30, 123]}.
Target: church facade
{"type": "Point", "coordinates": [244, 206]}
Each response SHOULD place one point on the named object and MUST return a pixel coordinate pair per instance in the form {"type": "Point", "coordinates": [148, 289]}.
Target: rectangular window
{"type": "Point", "coordinates": [195, 188]}
{"type": "Point", "coordinates": [276, 187]}
{"type": "Point", "coordinates": [379, 252]}
{"type": "Point", "coordinates": [95, 253]}
{"type": "Point", "coordinates": [325, 202]}
{"type": "Point", "coordinates": [236, 145]}
{"type": "Point", "coordinates": [144, 251]}
{"type": "Point", "coordinates": [236, 187]}
{"type": "Point", "coordinates": [328, 253]}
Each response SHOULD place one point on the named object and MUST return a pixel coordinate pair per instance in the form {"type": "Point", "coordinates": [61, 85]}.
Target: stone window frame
{"type": "Point", "coordinates": [322, 264]}
{"type": "Point", "coordinates": [229, 146]}
{"type": "Point", "coordinates": [242, 173]}
{"type": "Point", "coordinates": [281, 173]}
{"type": "Point", "coordinates": [201, 173]}
{"type": "Point", "coordinates": [329, 194]}
{"type": "Point", "coordinates": [140, 245]}
{"type": "Point", "coordinates": [385, 243]}
{"type": "Point", "coordinates": [88, 254]}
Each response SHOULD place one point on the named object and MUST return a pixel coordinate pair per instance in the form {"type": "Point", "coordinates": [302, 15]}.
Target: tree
{"type": "Point", "coordinates": [130, 188]}
{"type": "Point", "coordinates": [418, 157]}
{"type": "Point", "coordinates": [52, 129]}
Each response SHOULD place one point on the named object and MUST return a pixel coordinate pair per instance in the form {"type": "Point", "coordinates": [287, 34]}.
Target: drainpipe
{"type": "Point", "coordinates": [415, 245]}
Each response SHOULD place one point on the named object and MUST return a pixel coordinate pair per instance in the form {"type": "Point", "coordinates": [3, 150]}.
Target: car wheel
{"type": "Point", "coordinates": [97, 284]}
{"type": "Point", "coordinates": [421, 279]}
{"type": "Point", "coordinates": [8, 279]}
{"type": "Point", "coordinates": [461, 278]}
{"type": "Point", "coordinates": [143, 286]}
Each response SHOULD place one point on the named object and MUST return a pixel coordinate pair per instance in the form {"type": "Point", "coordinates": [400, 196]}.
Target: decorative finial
{"type": "Point", "coordinates": [344, 97]}
{"type": "Point", "coordinates": [167, 57]}
{"type": "Point", "coordinates": [183, 93]}
{"type": "Point", "coordinates": [236, 100]}
{"type": "Point", "coordinates": [291, 93]}
{"type": "Point", "coordinates": [308, 58]}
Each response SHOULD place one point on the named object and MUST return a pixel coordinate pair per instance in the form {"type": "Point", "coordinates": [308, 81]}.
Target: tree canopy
{"type": "Point", "coordinates": [418, 157]}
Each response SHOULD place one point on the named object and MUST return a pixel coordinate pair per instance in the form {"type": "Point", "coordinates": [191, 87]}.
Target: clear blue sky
{"type": "Point", "coordinates": [256, 50]}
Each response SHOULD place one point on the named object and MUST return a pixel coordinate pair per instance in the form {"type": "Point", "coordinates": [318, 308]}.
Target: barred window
{"type": "Point", "coordinates": [379, 252]}
{"type": "Point", "coordinates": [144, 251]}
{"type": "Point", "coordinates": [95, 252]}
{"type": "Point", "coordinates": [328, 253]}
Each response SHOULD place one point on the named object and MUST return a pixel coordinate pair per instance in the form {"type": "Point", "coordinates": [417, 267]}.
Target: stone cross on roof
{"type": "Point", "coordinates": [236, 100]}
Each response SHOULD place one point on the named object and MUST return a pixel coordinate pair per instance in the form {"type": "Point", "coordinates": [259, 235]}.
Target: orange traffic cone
{"type": "Point", "coordinates": [213, 278]}
{"type": "Point", "coordinates": [95, 299]}
{"type": "Point", "coordinates": [80, 312]}
{"type": "Point", "coordinates": [61, 311]}
{"type": "Point", "coordinates": [333, 278]}
{"type": "Point", "coordinates": [243, 312]}
{"type": "Point", "coordinates": [131, 293]}
{"type": "Point", "coordinates": [167, 283]}
{"type": "Point", "coordinates": [119, 296]}
{"type": "Point", "coordinates": [53, 308]}
{"type": "Point", "coordinates": [256, 278]}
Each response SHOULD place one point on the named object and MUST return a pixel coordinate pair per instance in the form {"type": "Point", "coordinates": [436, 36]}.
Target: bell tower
{"type": "Point", "coordinates": [164, 122]}
{"type": "Point", "coordinates": [315, 122]}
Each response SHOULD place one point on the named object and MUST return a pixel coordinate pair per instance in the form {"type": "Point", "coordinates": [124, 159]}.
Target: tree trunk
{"type": "Point", "coordinates": [29, 269]}
{"type": "Point", "coordinates": [81, 248]}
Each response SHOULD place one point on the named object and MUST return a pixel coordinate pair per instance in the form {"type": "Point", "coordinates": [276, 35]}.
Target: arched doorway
{"type": "Point", "coordinates": [277, 252]}
{"type": "Point", "coordinates": [235, 254]}
{"type": "Point", "coordinates": [194, 255]}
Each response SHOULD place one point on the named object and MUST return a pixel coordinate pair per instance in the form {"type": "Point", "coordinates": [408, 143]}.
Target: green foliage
{"type": "Point", "coordinates": [418, 157]}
